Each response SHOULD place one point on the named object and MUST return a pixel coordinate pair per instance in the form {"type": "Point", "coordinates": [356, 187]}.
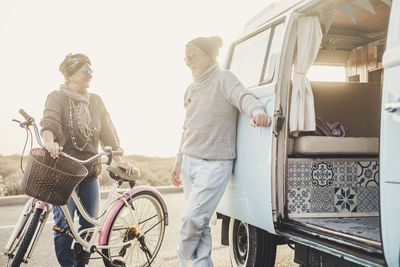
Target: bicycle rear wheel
{"type": "Point", "coordinates": [142, 220]}
{"type": "Point", "coordinates": [26, 240]}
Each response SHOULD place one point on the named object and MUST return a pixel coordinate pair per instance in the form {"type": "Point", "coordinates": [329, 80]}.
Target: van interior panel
{"type": "Point", "coordinates": [344, 33]}
{"type": "Point", "coordinates": [355, 105]}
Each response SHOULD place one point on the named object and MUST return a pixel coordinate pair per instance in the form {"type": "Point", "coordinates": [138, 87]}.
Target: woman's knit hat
{"type": "Point", "coordinates": [209, 45]}
{"type": "Point", "coordinates": [72, 63]}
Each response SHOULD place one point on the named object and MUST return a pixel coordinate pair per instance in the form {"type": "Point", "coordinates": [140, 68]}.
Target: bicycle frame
{"type": "Point", "coordinates": [33, 204]}
{"type": "Point", "coordinates": [102, 226]}
{"type": "Point", "coordinates": [91, 245]}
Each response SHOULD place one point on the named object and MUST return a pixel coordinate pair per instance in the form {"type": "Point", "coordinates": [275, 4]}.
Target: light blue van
{"type": "Point", "coordinates": [334, 196]}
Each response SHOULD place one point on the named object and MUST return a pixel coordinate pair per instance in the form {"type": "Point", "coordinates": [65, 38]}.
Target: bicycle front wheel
{"type": "Point", "coordinates": [141, 220]}
{"type": "Point", "coordinates": [19, 256]}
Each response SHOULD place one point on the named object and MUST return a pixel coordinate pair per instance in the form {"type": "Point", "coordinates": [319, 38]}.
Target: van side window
{"type": "Point", "coordinates": [248, 58]}
{"type": "Point", "coordinates": [276, 46]}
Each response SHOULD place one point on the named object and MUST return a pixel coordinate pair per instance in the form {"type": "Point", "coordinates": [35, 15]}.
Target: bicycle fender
{"type": "Point", "coordinates": [112, 212]}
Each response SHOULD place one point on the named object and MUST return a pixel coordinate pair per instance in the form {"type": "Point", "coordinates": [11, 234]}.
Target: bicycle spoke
{"type": "Point", "coordinates": [147, 219]}
{"type": "Point", "coordinates": [153, 226]}
{"type": "Point", "coordinates": [146, 209]}
{"type": "Point", "coordinates": [134, 211]}
{"type": "Point", "coordinates": [125, 221]}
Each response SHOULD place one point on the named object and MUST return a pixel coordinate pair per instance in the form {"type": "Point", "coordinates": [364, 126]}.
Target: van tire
{"type": "Point", "coordinates": [250, 246]}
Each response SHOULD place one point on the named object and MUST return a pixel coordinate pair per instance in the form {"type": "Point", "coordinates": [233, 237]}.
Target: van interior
{"type": "Point", "coordinates": [332, 182]}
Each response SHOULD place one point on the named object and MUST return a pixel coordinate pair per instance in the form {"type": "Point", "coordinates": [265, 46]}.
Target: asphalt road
{"type": "Point", "coordinates": [44, 255]}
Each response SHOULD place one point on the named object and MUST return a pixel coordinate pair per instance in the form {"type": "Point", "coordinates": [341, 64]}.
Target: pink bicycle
{"type": "Point", "coordinates": [128, 233]}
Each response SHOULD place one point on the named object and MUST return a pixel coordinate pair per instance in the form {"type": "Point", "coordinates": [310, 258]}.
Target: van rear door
{"type": "Point", "coordinates": [390, 142]}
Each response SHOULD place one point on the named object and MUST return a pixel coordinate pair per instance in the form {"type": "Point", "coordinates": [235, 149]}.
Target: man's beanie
{"type": "Point", "coordinates": [209, 45]}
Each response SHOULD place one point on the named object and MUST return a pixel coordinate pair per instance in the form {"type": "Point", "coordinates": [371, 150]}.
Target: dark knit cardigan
{"type": "Point", "coordinates": [56, 119]}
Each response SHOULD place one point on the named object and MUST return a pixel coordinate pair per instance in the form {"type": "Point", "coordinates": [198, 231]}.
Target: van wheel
{"type": "Point", "coordinates": [250, 246]}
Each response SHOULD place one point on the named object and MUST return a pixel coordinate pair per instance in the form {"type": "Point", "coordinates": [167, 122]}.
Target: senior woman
{"type": "Point", "coordinates": [76, 121]}
{"type": "Point", "coordinates": [207, 149]}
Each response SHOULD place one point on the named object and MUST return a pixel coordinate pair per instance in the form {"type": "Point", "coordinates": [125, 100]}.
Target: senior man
{"type": "Point", "coordinates": [208, 144]}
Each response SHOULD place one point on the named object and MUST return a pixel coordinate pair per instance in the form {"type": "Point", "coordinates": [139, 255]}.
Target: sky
{"type": "Point", "coordinates": [136, 49]}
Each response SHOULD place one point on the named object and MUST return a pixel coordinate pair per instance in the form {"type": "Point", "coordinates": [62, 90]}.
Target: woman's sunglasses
{"type": "Point", "coordinates": [87, 71]}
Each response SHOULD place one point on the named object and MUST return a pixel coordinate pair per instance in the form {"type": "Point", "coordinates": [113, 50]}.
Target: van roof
{"type": "Point", "coordinates": [271, 11]}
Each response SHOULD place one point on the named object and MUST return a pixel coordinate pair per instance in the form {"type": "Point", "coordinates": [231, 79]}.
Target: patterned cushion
{"type": "Point", "coordinates": [333, 187]}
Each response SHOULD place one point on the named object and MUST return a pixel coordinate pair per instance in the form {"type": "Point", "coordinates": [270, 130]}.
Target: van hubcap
{"type": "Point", "coordinates": [241, 242]}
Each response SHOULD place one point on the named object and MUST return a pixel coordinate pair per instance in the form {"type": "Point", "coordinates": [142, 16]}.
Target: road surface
{"type": "Point", "coordinates": [44, 255]}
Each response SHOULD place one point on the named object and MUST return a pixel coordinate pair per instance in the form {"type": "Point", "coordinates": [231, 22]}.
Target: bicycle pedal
{"type": "Point", "coordinates": [118, 263]}
{"type": "Point", "coordinates": [60, 230]}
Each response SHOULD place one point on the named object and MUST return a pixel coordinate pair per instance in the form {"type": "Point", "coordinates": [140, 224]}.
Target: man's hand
{"type": "Point", "coordinates": [260, 120]}
{"type": "Point", "coordinates": [175, 175]}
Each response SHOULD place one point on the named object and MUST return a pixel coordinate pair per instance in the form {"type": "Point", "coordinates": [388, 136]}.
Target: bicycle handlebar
{"type": "Point", "coordinates": [25, 115]}
{"type": "Point", "coordinates": [29, 120]}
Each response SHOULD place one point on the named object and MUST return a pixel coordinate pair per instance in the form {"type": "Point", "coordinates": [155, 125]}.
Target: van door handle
{"type": "Point", "coordinates": [279, 120]}
{"type": "Point", "coordinates": [391, 107]}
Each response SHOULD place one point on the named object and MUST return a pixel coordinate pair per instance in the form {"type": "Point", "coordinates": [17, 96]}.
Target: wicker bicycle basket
{"type": "Point", "coordinates": [51, 180]}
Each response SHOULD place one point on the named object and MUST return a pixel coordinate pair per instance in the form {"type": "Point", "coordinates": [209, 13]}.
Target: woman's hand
{"type": "Point", "coordinates": [53, 148]}
{"type": "Point", "coordinates": [129, 168]}
{"type": "Point", "coordinates": [175, 175]}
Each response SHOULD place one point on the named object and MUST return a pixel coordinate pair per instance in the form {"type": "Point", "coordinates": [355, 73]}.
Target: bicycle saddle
{"type": "Point", "coordinates": [119, 174]}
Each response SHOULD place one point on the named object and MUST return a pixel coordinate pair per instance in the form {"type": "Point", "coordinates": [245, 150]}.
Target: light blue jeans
{"type": "Point", "coordinates": [204, 184]}
{"type": "Point", "coordinates": [88, 192]}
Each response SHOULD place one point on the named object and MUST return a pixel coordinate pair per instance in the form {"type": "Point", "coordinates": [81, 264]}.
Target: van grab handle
{"type": "Point", "coordinates": [392, 107]}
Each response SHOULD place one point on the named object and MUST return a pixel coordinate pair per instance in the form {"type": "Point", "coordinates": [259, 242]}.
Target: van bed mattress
{"type": "Point", "coordinates": [326, 145]}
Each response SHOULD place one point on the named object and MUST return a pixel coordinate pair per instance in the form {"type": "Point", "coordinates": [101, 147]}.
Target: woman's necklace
{"type": "Point", "coordinates": [71, 127]}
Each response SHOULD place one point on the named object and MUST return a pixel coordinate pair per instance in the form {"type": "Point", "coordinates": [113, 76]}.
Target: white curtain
{"type": "Point", "coordinates": [302, 112]}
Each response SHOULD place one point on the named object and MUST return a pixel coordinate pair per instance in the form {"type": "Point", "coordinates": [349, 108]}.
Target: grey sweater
{"type": "Point", "coordinates": [209, 130]}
